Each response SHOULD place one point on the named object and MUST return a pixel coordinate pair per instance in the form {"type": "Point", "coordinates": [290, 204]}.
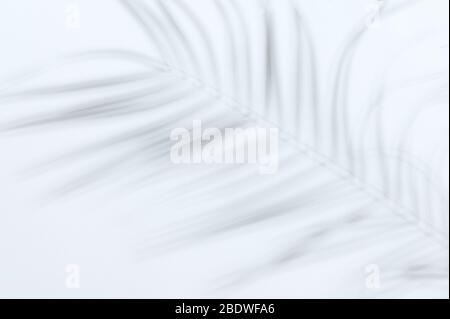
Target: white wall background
{"type": "Point", "coordinates": [98, 230]}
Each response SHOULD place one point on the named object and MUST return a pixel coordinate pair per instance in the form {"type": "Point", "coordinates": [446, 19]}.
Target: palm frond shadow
{"type": "Point", "coordinates": [342, 185]}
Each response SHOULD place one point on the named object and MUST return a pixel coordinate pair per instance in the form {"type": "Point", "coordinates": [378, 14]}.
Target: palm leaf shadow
{"type": "Point", "coordinates": [324, 179]}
